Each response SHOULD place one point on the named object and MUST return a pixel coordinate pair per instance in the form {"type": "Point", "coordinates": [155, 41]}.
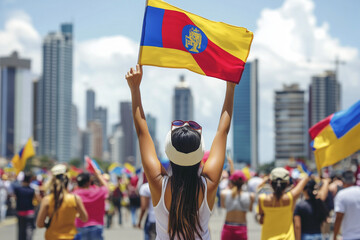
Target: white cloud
{"type": "Point", "coordinates": [291, 47]}
{"type": "Point", "coordinates": [18, 34]}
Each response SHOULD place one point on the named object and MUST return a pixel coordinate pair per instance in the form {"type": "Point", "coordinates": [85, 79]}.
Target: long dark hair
{"type": "Point", "coordinates": [58, 189]}
{"type": "Point", "coordinates": [279, 187]}
{"type": "Point", "coordinates": [237, 187]}
{"type": "Point", "coordinates": [320, 211]}
{"type": "Point", "coordinates": [186, 185]}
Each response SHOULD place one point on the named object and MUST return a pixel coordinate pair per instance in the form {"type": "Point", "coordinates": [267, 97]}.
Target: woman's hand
{"type": "Point", "coordinates": [134, 77]}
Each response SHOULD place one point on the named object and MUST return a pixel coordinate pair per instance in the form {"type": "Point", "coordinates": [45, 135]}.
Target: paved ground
{"type": "Point", "coordinates": [8, 228]}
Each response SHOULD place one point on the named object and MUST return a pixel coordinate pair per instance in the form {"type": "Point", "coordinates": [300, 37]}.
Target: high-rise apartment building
{"type": "Point", "coordinates": [290, 124]}
{"type": "Point", "coordinates": [55, 95]}
{"type": "Point", "coordinates": [183, 106]}
{"type": "Point", "coordinates": [101, 115]}
{"type": "Point", "coordinates": [245, 118]}
{"type": "Point", "coordinates": [127, 125]}
{"type": "Point", "coordinates": [96, 139]}
{"type": "Point", "coordinates": [151, 122]}
{"type": "Point", "coordinates": [16, 104]}
{"type": "Point", "coordinates": [324, 96]}
{"type": "Point", "coordinates": [90, 105]}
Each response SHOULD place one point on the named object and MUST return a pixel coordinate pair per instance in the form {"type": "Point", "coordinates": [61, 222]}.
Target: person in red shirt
{"type": "Point", "coordinates": [93, 197]}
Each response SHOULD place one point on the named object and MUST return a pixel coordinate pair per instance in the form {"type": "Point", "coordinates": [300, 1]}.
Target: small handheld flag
{"type": "Point", "coordinates": [92, 165]}
{"type": "Point", "coordinates": [174, 38]}
{"type": "Point", "coordinates": [336, 137]}
{"type": "Point", "coordinates": [19, 160]}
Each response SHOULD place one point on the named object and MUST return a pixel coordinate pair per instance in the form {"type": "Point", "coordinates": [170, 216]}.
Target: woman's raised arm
{"type": "Point", "coordinates": [214, 165]}
{"type": "Point", "coordinates": [150, 162]}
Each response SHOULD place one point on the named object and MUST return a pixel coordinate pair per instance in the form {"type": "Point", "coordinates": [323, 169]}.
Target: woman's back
{"type": "Point", "coordinates": [62, 225]}
{"type": "Point", "coordinates": [162, 211]}
{"type": "Point", "coordinates": [236, 206]}
{"type": "Point", "coordinates": [278, 217]}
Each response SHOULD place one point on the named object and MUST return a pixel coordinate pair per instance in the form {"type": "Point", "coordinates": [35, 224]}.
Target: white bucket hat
{"type": "Point", "coordinates": [184, 159]}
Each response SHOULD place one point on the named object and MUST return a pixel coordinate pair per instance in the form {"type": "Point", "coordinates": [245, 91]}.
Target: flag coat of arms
{"type": "Point", "coordinates": [174, 38]}
{"type": "Point", "coordinates": [336, 137]}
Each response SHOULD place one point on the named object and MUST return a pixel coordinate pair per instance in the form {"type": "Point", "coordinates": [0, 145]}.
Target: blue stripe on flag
{"type": "Point", "coordinates": [152, 27]}
{"type": "Point", "coordinates": [343, 121]}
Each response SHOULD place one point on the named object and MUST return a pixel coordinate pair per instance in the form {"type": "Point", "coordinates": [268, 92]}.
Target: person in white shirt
{"type": "Point", "coordinates": [347, 209]}
{"type": "Point", "coordinates": [146, 204]}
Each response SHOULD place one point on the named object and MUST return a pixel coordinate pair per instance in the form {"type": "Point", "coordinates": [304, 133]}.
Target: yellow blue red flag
{"type": "Point", "coordinates": [174, 38]}
{"type": "Point", "coordinates": [336, 137]}
{"type": "Point", "coordinates": [19, 160]}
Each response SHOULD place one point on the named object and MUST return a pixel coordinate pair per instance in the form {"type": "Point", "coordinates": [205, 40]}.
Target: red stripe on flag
{"type": "Point", "coordinates": [216, 62]}
{"type": "Point", "coordinates": [318, 127]}
{"type": "Point", "coordinates": [89, 166]}
{"type": "Point", "coordinates": [172, 26]}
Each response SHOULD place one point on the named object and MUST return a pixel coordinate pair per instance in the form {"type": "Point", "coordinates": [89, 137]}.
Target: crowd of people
{"type": "Point", "coordinates": [177, 202]}
{"type": "Point", "coordinates": [287, 206]}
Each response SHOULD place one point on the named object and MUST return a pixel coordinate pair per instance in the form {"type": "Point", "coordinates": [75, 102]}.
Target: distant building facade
{"type": "Point", "coordinates": [16, 104]}
{"type": "Point", "coordinates": [128, 129]}
{"type": "Point", "coordinates": [183, 104]}
{"type": "Point", "coordinates": [245, 118]}
{"type": "Point", "coordinates": [290, 124]}
{"type": "Point", "coordinates": [54, 103]}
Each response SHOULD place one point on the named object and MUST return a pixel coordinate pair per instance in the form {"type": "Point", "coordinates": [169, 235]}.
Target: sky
{"type": "Point", "coordinates": [293, 40]}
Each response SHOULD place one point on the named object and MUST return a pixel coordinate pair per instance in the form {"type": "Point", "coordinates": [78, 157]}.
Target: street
{"type": "Point", "coordinates": [8, 228]}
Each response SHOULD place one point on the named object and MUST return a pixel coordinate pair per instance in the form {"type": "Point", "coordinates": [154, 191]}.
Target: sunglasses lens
{"type": "Point", "coordinates": [178, 123]}
{"type": "Point", "coordinates": [194, 125]}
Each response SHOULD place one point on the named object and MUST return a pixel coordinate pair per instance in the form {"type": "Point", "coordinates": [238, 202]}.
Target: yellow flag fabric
{"type": "Point", "coordinates": [19, 160]}
{"type": "Point", "coordinates": [129, 167]}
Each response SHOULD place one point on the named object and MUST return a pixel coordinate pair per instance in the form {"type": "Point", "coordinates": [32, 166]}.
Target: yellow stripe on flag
{"type": "Point", "coordinates": [217, 32]}
{"type": "Point", "coordinates": [330, 150]}
{"type": "Point", "coordinates": [156, 56]}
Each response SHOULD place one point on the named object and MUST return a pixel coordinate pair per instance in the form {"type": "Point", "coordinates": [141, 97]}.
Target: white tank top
{"type": "Point", "coordinates": [241, 202]}
{"type": "Point", "coordinates": [162, 215]}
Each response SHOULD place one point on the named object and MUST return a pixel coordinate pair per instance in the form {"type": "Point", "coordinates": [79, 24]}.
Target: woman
{"type": "Point", "coordinates": [237, 203]}
{"type": "Point", "coordinates": [276, 209]}
{"type": "Point", "coordinates": [311, 212]}
{"type": "Point", "coordinates": [60, 207]}
{"type": "Point", "coordinates": [178, 216]}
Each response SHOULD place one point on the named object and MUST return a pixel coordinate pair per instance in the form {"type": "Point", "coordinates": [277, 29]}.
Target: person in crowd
{"type": "Point", "coordinates": [134, 198]}
{"type": "Point", "coordinates": [311, 212]}
{"type": "Point", "coordinates": [59, 209]}
{"type": "Point", "coordinates": [24, 207]}
{"type": "Point", "coordinates": [117, 197]}
{"type": "Point", "coordinates": [347, 208]}
{"type": "Point", "coordinates": [3, 197]}
{"type": "Point", "coordinates": [93, 198]}
{"type": "Point", "coordinates": [147, 205]}
{"type": "Point", "coordinates": [183, 201]}
{"type": "Point", "coordinates": [237, 203]}
{"type": "Point", "coordinates": [276, 209]}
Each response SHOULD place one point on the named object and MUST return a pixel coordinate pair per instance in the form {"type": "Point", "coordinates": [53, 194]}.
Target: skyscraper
{"type": "Point", "coordinates": [90, 105]}
{"type": "Point", "coordinates": [16, 104]}
{"type": "Point", "coordinates": [245, 118]}
{"type": "Point", "coordinates": [55, 95]}
{"type": "Point", "coordinates": [100, 114]}
{"type": "Point", "coordinates": [183, 106]}
{"type": "Point", "coordinates": [75, 135]}
{"type": "Point", "coordinates": [290, 124]}
{"type": "Point", "coordinates": [127, 125]}
{"type": "Point", "coordinates": [151, 122]}
{"type": "Point", "coordinates": [324, 96]}
{"type": "Point", "coordinates": [96, 139]}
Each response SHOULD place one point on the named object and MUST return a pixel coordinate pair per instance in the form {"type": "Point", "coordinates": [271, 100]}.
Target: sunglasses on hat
{"type": "Point", "coordinates": [192, 124]}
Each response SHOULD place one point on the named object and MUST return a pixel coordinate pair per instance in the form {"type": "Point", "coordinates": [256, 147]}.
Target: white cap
{"type": "Point", "coordinates": [183, 159]}
{"type": "Point", "coordinates": [58, 169]}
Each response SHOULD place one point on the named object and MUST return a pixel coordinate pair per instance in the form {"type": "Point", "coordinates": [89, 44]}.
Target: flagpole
{"type": "Point", "coordinates": [146, 4]}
